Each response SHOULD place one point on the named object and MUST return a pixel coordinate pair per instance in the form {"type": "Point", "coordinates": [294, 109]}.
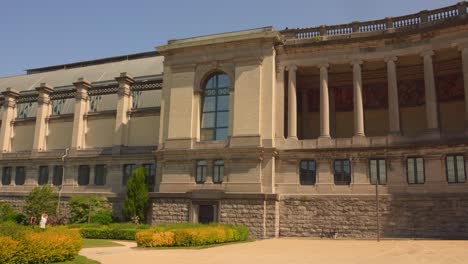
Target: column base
{"type": "Point", "coordinates": [432, 133]}
{"type": "Point", "coordinates": [360, 140]}
{"type": "Point", "coordinates": [324, 142]}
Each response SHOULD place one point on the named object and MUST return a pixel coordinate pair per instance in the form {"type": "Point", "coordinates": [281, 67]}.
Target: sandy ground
{"type": "Point", "coordinates": [292, 251]}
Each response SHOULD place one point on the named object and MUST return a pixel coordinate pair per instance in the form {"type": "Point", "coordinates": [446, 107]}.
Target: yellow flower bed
{"type": "Point", "coordinates": [189, 236]}
{"type": "Point", "coordinates": [52, 245]}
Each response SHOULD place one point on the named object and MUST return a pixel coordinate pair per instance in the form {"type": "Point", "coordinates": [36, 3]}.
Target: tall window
{"type": "Point", "coordinates": [43, 175]}
{"type": "Point", "coordinates": [6, 176]}
{"type": "Point", "coordinates": [377, 171]}
{"type": "Point", "coordinates": [342, 172]}
{"type": "Point", "coordinates": [415, 170]}
{"type": "Point", "coordinates": [200, 172]}
{"type": "Point", "coordinates": [307, 172]}
{"type": "Point", "coordinates": [150, 169]}
{"type": "Point", "coordinates": [218, 171]}
{"type": "Point", "coordinates": [455, 167]}
{"type": "Point", "coordinates": [83, 175]}
{"type": "Point", "coordinates": [127, 172]}
{"type": "Point", "coordinates": [20, 175]}
{"type": "Point", "coordinates": [215, 108]}
{"type": "Point", "coordinates": [58, 175]}
{"type": "Point", "coordinates": [100, 173]}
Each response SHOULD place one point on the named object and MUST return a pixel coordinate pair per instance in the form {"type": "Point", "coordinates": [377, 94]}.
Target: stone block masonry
{"type": "Point", "coordinates": [411, 216]}
{"type": "Point", "coordinates": [170, 211]}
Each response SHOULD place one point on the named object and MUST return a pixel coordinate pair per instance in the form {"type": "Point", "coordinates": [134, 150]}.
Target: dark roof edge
{"type": "Point", "coordinates": [94, 62]}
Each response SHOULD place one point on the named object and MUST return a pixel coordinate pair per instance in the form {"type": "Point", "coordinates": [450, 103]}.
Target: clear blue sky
{"type": "Point", "coordinates": [49, 32]}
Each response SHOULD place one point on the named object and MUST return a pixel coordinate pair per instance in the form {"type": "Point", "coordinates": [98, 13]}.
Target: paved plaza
{"type": "Point", "coordinates": [294, 251]}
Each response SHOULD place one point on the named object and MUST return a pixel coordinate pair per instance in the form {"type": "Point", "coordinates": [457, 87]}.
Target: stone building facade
{"type": "Point", "coordinates": [299, 132]}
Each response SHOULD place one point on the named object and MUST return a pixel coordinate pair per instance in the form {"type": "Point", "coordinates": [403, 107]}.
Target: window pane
{"type": "Point", "coordinates": [337, 166]}
{"type": "Point", "coordinates": [223, 80]}
{"type": "Point", "coordinates": [20, 176]}
{"type": "Point", "coordinates": [210, 83]}
{"type": "Point", "coordinates": [209, 104]}
{"type": "Point", "coordinates": [346, 166]}
{"type": "Point", "coordinates": [43, 175]}
{"type": "Point", "coordinates": [223, 103]}
{"type": "Point", "coordinates": [461, 168]}
{"type": "Point", "coordinates": [451, 169]}
{"type": "Point", "coordinates": [83, 175]}
{"type": "Point", "coordinates": [382, 172]}
{"type": "Point", "coordinates": [410, 170]}
{"type": "Point", "coordinates": [221, 133]}
{"type": "Point", "coordinates": [373, 171]}
{"type": "Point", "coordinates": [6, 177]}
{"type": "Point", "coordinates": [420, 170]}
{"type": "Point", "coordinates": [58, 172]}
{"type": "Point", "coordinates": [100, 173]}
{"type": "Point", "coordinates": [208, 120]}
{"type": "Point", "coordinates": [222, 119]}
{"type": "Point", "coordinates": [207, 134]}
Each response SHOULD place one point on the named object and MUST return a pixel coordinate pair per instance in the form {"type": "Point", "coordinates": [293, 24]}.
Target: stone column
{"type": "Point", "coordinates": [358, 105]}
{"type": "Point", "coordinates": [9, 114]}
{"type": "Point", "coordinates": [124, 104]}
{"type": "Point", "coordinates": [464, 55]}
{"type": "Point", "coordinates": [81, 109]}
{"type": "Point", "coordinates": [304, 111]}
{"type": "Point", "coordinates": [44, 110]}
{"type": "Point", "coordinates": [292, 103]}
{"type": "Point", "coordinates": [393, 106]}
{"type": "Point", "coordinates": [430, 91]}
{"type": "Point", "coordinates": [280, 111]}
{"type": "Point", "coordinates": [324, 102]}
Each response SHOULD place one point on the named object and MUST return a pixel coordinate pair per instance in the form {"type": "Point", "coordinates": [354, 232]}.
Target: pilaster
{"type": "Point", "coordinates": [44, 109]}
{"type": "Point", "coordinates": [124, 104]}
{"type": "Point", "coordinates": [9, 115]}
{"type": "Point", "coordinates": [81, 109]}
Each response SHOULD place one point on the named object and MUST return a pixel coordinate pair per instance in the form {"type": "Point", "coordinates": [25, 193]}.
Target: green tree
{"type": "Point", "coordinates": [95, 209]}
{"type": "Point", "coordinates": [7, 213]}
{"type": "Point", "coordinates": [136, 199]}
{"type": "Point", "coordinates": [41, 200]}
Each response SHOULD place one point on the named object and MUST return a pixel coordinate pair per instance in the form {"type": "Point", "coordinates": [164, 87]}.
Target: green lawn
{"type": "Point", "coordinates": [79, 260]}
{"type": "Point", "coordinates": [92, 243]}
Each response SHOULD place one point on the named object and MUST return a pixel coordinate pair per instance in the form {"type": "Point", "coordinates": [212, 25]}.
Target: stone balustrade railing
{"type": "Point", "coordinates": [387, 25]}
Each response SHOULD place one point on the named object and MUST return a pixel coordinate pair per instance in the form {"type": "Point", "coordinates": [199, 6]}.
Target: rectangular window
{"type": "Point", "coordinates": [415, 170]}
{"type": "Point", "coordinates": [20, 175]}
{"type": "Point", "coordinates": [377, 171]}
{"type": "Point", "coordinates": [218, 171]}
{"type": "Point", "coordinates": [58, 175]}
{"type": "Point", "coordinates": [43, 175]}
{"type": "Point", "coordinates": [6, 176]}
{"type": "Point", "coordinates": [307, 172]}
{"type": "Point", "coordinates": [455, 168]}
{"type": "Point", "coordinates": [100, 174]}
{"type": "Point", "coordinates": [83, 175]}
{"type": "Point", "coordinates": [150, 169]}
{"type": "Point", "coordinates": [127, 172]}
{"type": "Point", "coordinates": [200, 174]}
{"type": "Point", "coordinates": [342, 173]}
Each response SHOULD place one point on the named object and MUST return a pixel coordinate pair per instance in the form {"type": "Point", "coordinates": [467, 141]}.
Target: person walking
{"type": "Point", "coordinates": [43, 222]}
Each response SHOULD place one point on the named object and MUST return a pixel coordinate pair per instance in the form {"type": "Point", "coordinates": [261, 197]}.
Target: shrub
{"type": "Point", "coordinates": [136, 199]}
{"type": "Point", "coordinates": [82, 207]}
{"type": "Point", "coordinates": [190, 235]}
{"type": "Point", "coordinates": [21, 244]}
{"type": "Point", "coordinates": [7, 213]}
{"type": "Point", "coordinates": [113, 231]}
{"type": "Point", "coordinates": [41, 200]}
{"type": "Point", "coordinates": [8, 249]}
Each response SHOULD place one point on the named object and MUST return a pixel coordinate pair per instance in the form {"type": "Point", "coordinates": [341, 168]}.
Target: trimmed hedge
{"type": "Point", "coordinates": [113, 231]}
{"type": "Point", "coordinates": [190, 235]}
{"type": "Point", "coordinates": [28, 245]}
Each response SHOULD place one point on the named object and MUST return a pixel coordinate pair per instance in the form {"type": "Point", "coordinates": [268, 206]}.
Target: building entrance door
{"type": "Point", "coordinates": [205, 214]}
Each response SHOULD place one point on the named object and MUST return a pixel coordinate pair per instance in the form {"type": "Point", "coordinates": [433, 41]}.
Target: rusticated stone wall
{"type": "Point", "coordinates": [430, 216]}
{"type": "Point", "coordinates": [170, 211]}
{"type": "Point", "coordinates": [258, 215]}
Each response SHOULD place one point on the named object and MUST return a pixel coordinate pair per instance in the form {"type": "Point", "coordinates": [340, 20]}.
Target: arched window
{"type": "Point", "coordinates": [215, 108]}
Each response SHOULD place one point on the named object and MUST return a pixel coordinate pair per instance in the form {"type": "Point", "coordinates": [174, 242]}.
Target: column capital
{"type": "Point", "coordinates": [427, 53]}
{"type": "Point", "coordinates": [82, 83]}
{"type": "Point", "coordinates": [292, 67]}
{"type": "Point", "coordinates": [44, 88]}
{"type": "Point", "coordinates": [11, 93]}
{"type": "Point", "coordinates": [125, 78]}
{"type": "Point", "coordinates": [356, 62]}
{"type": "Point", "coordinates": [323, 65]}
{"type": "Point", "coordinates": [462, 47]}
{"type": "Point", "coordinates": [390, 58]}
